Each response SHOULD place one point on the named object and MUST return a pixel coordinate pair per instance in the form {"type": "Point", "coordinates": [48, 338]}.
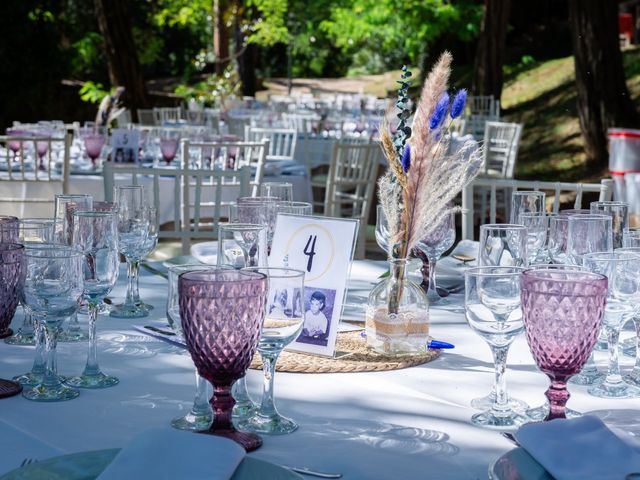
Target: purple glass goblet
{"type": "Point", "coordinates": [168, 148]}
{"type": "Point", "coordinates": [93, 144]}
{"type": "Point", "coordinates": [9, 229]}
{"type": "Point", "coordinates": [562, 312]}
{"type": "Point", "coordinates": [12, 272]}
{"type": "Point", "coordinates": [222, 313]}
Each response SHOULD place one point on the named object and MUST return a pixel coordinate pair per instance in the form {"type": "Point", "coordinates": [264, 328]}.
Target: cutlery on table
{"type": "Point", "coordinates": [463, 258]}
{"type": "Point", "coordinates": [312, 473]}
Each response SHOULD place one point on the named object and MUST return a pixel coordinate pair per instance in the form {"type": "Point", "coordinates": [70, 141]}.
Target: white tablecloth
{"type": "Point", "coordinates": [403, 424]}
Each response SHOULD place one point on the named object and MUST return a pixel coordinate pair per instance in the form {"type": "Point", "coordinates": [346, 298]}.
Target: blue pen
{"type": "Point", "coordinates": [432, 343]}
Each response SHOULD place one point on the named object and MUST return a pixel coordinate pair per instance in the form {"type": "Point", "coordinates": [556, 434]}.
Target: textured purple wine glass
{"type": "Point", "coordinates": [93, 144]}
{"type": "Point", "coordinates": [168, 148]}
{"type": "Point", "coordinates": [9, 229]}
{"type": "Point", "coordinates": [562, 312]}
{"type": "Point", "coordinates": [222, 313]}
{"type": "Point", "coordinates": [12, 273]}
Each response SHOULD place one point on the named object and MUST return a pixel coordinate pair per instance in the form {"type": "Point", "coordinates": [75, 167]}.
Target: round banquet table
{"type": "Point", "coordinates": [405, 424]}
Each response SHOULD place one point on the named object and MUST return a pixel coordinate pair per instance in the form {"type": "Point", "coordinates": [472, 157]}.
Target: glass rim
{"type": "Point", "coordinates": [493, 271]}
{"type": "Point", "coordinates": [184, 267]}
{"type": "Point", "coordinates": [627, 249]}
{"type": "Point", "coordinates": [570, 212]}
{"type": "Point", "coordinates": [528, 192]}
{"type": "Point", "coordinates": [257, 199]}
{"type": "Point", "coordinates": [295, 272]}
{"type": "Point", "coordinates": [535, 275]}
{"type": "Point", "coordinates": [64, 250]}
{"type": "Point", "coordinates": [294, 203]}
{"type": "Point", "coordinates": [611, 255]}
{"type": "Point", "coordinates": [612, 203]}
{"type": "Point", "coordinates": [589, 216]}
{"type": "Point", "coordinates": [71, 196]}
{"type": "Point", "coordinates": [93, 213]}
{"type": "Point", "coordinates": [502, 226]}
{"type": "Point", "coordinates": [277, 183]}
{"type": "Point", "coordinates": [43, 220]}
{"type": "Point", "coordinates": [241, 226]}
{"type": "Point", "coordinates": [11, 247]}
{"type": "Point", "coordinates": [186, 276]}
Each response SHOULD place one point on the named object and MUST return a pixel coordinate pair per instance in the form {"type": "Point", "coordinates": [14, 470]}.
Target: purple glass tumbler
{"type": "Point", "coordinates": [12, 272]}
{"type": "Point", "coordinates": [222, 313]}
{"type": "Point", "coordinates": [562, 312]}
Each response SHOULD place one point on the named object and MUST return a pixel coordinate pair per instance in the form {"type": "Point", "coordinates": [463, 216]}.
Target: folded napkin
{"type": "Point", "coordinates": [452, 266]}
{"type": "Point", "coordinates": [579, 448]}
{"type": "Point", "coordinates": [166, 453]}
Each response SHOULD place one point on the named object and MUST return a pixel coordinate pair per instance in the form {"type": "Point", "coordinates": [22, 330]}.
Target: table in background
{"type": "Point", "coordinates": [404, 424]}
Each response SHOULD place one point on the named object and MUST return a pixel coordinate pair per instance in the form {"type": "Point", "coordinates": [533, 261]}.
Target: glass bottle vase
{"type": "Point", "coordinates": [397, 320]}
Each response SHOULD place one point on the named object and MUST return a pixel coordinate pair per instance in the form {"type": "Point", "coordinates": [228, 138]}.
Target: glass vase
{"type": "Point", "coordinates": [397, 321]}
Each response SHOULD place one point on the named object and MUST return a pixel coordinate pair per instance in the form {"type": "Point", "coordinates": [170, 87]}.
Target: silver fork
{"type": "Point", "coordinates": [312, 473]}
{"type": "Point", "coordinates": [28, 461]}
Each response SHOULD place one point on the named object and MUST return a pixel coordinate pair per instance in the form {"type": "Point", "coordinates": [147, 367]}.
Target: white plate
{"type": "Point", "coordinates": [205, 252]}
{"type": "Point", "coordinates": [180, 260]}
{"type": "Point", "coordinates": [88, 465]}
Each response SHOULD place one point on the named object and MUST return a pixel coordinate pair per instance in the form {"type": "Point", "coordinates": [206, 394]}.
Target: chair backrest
{"type": "Point", "coordinates": [604, 189]}
{"type": "Point", "coordinates": [351, 184]}
{"type": "Point", "coordinates": [167, 114]}
{"type": "Point", "coordinates": [485, 105]}
{"type": "Point", "coordinates": [302, 122]}
{"type": "Point", "coordinates": [227, 156]}
{"type": "Point", "coordinates": [27, 164]}
{"type": "Point", "coordinates": [195, 117]}
{"type": "Point", "coordinates": [200, 196]}
{"type": "Point", "coordinates": [146, 117]}
{"type": "Point", "coordinates": [501, 141]}
{"type": "Point", "coordinates": [282, 141]}
{"type": "Point", "coordinates": [237, 124]}
{"type": "Point", "coordinates": [212, 118]}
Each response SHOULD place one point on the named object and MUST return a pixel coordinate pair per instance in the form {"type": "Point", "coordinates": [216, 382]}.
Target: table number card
{"type": "Point", "coordinates": [323, 248]}
{"type": "Point", "coordinates": [124, 143]}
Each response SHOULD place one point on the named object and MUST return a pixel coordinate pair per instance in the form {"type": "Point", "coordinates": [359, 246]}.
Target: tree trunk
{"type": "Point", "coordinates": [603, 98]}
{"type": "Point", "coordinates": [124, 68]}
{"type": "Point", "coordinates": [220, 36]}
{"type": "Point", "coordinates": [246, 55]}
{"type": "Point", "coordinates": [487, 77]}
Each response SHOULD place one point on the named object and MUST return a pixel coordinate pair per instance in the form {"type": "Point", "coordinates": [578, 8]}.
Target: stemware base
{"type": "Point", "coordinates": [272, 425]}
{"type": "Point", "coordinates": [633, 378]}
{"type": "Point", "coordinates": [243, 410]}
{"type": "Point", "coordinates": [57, 393]}
{"type": "Point", "coordinates": [9, 388]}
{"type": "Point", "coordinates": [437, 300]}
{"type": "Point", "coordinates": [587, 378]}
{"type": "Point", "coordinates": [128, 311]}
{"type": "Point", "coordinates": [32, 379]}
{"type": "Point", "coordinates": [629, 347]}
{"type": "Point", "coordinates": [193, 421]}
{"type": "Point", "coordinates": [614, 390]}
{"type": "Point", "coordinates": [21, 338]}
{"type": "Point", "coordinates": [485, 403]}
{"type": "Point", "coordinates": [67, 336]}
{"type": "Point", "coordinates": [538, 414]}
{"type": "Point", "coordinates": [505, 421]}
{"type": "Point", "coordinates": [99, 380]}
{"type": "Point", "coordinates": [249, 441]}
{"type": "Point", "coordinates": [6, 333]}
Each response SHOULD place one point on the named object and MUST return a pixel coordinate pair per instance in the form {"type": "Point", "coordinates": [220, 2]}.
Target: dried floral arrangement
{"type": "Point", "coordinates": [425, 173]}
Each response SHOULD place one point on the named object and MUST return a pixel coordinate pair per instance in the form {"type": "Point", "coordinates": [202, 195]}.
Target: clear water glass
{"type": "Point", "coordinates": [557, 244]}
{"type": "Point", "coordinates": [536, 225]}
{"type": "Point", "coordinates": [631, 346]}
{"type": "Point", "coordinates": [262, 213]}
{"type": "Point", "coordinates": [282, 325]}
{"type": "Point", "coordinates": [133, 232]}
{"type": "Point", "coordinates": [568, 302]}
{"type": "Point", "coordinates": [95, 235]}
{"type": "Point", "coordinates": [631, 237]}
{"type": "Point", "coordinates": [433, 246]}
{"type": "Point", "coordinates": [283, 191]}
{"type": "Point", "coordinates": [619, 212]}
{"type": "Point", "coordinates": [382, 229]}
{"type": "Point", "coordinates": [52, 292]}
{"type": "Point", "coordinates": [526, 202]}
{"type": "Point", "coordinates": [622, 268]}
{"type": "Point", "coordinates": [294, 208]}
{"type": "Point", "coordinates": [502, 244]}
{"type": "Point", "coordinates": [492, 309]}
{"type": "Point", "coordinates": [146, 249]}
{"type": "Point", "coordinates": [200, 416]}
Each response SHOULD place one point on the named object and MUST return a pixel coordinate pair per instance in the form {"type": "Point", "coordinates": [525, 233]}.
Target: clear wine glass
{"type": "Point", "coordinates": [526, 202]}
{"type": "Point", "coordinates": [558, 229]}
{"type": "Point", "coordinates": [433, 246]}
{"type": "Point", "coordinates": [536, 225]}
{"type": "Point", "coordinates": [619, 212]}
{"type": "Point", "coordinates": [570, 302]}
{"type": "Point", "coordinates": [502, 245]}
{"type": "Point", "coordinates": [222, 312]}
{"type": "Point", "coordinates": [282, 191]}
{"type": "Point", "coordinates": [282, 325]}
{"type": "Point", "coordinates": [294, 208]}
{"type": "Point", "coordinates": [262, 213]}
{"type": "Point", "coordinates": [95, 235]}
{"type": "Point", "coordinates": [492, 307]}
{"type": "Point", "coordinates": [631, 346]}
{"type": "Point", "coordinates": [52, 292]}
{"type": "Point", "coordinates": [133, 231]}
{"type": "Point", "coordinates": [64, 207]}
{"type": "Point", "coordinates": [382, 229]}
{"type": "Point", "coordinates": [622, 268]}
{"type": "Point", "coordinates": [200, 416]}
{"type": "Point", "coordinates": [147, 249]}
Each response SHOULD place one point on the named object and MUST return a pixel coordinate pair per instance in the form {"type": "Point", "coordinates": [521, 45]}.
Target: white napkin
{"type": "Point", "coordinates": [454, 267]}
{"type": "Point", "coordinates": [166, 453]}
{"type": "Point", "coordinates": [579, 448]}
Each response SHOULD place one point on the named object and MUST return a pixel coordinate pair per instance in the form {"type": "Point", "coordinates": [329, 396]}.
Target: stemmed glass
{"type": "Point", "coordinates": [64, 207]}
{"type": "Point", "coordinates": [200, 416]}
{"type": "Point", "coordinates": [432, 247]}
{"type": "Point", "coordinates": [52, 292]}
{"type": "Point", "coordinates": [282, 325]}
{"type": "Point", "coordinates": [294, 208]}
{"type": "Point", "coordinates": [222, 312]}
{"type": "Point", "coordinates": [133, 231]}
{"type": "Point", "coordinates": [526, 202]}
{"type": "Point", "coordinates": [146, 249]}
{"type": "Point", "coordinates": [169, 141]}
{"type": "Point", "coordinates": [492, 307]}
{"type": "Point", "coordinates": [631, 346]}
{"type": "Point", "coordinates": [502, 245]}
{"type": "Point", "coordinates": [622, 268]}
{"type": "Point", "coordinates": [588, 233]}
{"type": "Point", "coordinates": [95, 235]}
{"type": "Point", "coordinates": [382, 229]}
{"type": "Point", "coordinates": [242, 245]}
{"type": "Point", "coordinates": [536, 225]}
{"type": "Point", "coordinates": [282, 191]}
{"type": "Point", "coordinates": [562, 313]}
{"type": "Point", "coordinates": [42, 147]}
{"type": "Point", "coordinates": [93, 143]}
{"type": "Point", "coordinates": [258, 210]}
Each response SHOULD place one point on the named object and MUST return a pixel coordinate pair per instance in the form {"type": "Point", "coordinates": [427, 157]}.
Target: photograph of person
{"type": "Point", "coordinates": [318, 310]}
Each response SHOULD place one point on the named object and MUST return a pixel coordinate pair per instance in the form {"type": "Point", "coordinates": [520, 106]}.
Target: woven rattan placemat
{"type": "Point", "coordinates": [352, 355]}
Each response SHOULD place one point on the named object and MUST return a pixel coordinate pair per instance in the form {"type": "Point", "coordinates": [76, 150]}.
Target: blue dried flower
{"type": "Point", "coordinates": [437, 117]}
{"type": "Point", "coordinates": [406, 158]}
{"type": "Point", "coordinates": [458, 103]}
